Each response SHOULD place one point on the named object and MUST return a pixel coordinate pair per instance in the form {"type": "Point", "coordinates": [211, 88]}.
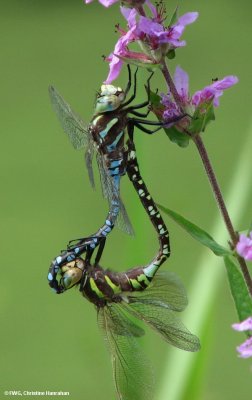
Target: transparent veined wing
{"type": "Point", "coordinates": [80, 137]}
{"type": "Point", "coordinates": [166, 290]}
{"type": "Point", "coordinates": [111, 192]}
{"type": "Point", "coordinates": [72, 124]}
{"type": "Point", "coordinates": [89, 154]}
{"type": "Point", "coordinates": [132, 372]}
{"type": "Point", "coordinates": [75, 128]}
{"type": "Point", "coordinates": [157, 311]}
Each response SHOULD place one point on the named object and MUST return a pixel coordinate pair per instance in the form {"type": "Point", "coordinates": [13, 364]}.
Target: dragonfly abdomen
{"type": "Point", "coordinates": [103, 286]}
{"type": "Point", "coordinates": [153, 212]}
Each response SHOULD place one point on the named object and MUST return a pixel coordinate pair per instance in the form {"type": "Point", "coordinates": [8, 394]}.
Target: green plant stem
{"type": "Point", "coordinates": [221, 204]}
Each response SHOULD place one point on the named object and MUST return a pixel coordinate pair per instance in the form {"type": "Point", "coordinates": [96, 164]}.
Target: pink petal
{"type": "Point", "coordinates": [181, 81]}
{"type": "Point", "coordinates": [244, 247]}
{"type": "Point", "coordinates": [245, 325]}
{"type": "Point", "coordinates": [188, 18]}
{"type": "Point", "coordinates": [130, 15]}
{"type": "Point", "coordinates": [152, 8]}
{"type": "Point", "coordinates": [225, 83]}
{"type": "Point", "coordinates": [115, 67]}
{"type": "Point", "coordinates": [107, 3]}
{"type": "Point", "coordinates": [245, 349]}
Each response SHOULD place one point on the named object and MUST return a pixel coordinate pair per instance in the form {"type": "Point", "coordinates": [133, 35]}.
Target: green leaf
{"type": "Point", "coordinates": [197, 233]}
{"type": "Point", "coordinates": [143, 63]}
{"type": "Point", "coordinates": [174, 17]}
{"type": "Point", "coordinates": [239, 290]}
{"type": "Point", "coordinates": [171, 54]}
{"type": "Point", "coordinates": [203, 114]}
{"type": "Point", "coordinates": [155, 100]}
{"type": "Point", "coordinates": [177, 137]}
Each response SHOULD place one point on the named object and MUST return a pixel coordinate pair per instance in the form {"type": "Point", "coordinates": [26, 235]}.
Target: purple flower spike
{"type": "Point", "coordinates": [154, 38]}
{"type": "Point", "coordinates": [244, 247]}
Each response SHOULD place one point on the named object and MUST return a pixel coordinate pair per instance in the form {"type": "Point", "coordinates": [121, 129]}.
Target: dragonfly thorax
{"type": "Point", "coordinates": [109, 99]}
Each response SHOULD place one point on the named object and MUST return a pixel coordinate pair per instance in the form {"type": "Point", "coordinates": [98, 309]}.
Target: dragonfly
{"type": "Point", "coordinates": [133, 172]}
{"type": "Point", "coordinates": [123, 298]}
{"type": "Point", "coordinates": [110, 136]}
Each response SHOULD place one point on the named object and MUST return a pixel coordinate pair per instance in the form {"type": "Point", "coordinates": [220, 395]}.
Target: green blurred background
{"type": "Point", "coordinates": [52, 342]}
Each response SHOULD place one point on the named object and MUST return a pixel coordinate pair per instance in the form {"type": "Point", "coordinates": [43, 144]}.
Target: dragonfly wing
{"type": "Point", "coordinates": [156, 309]}
{"type": "Point", "coordinates": [165, 290]}
{"type": "Point", "coordinates": [133, 376]}
{"type": "Point", "coordinates": [72, 124]}
{"type": "Point", "coordinates": [106, 184]}
{"type": "Point", "coordinates": [89, 164]}
{"type": "Point", "coordinates": [111, 192]}
{"type": "Point", "coordinates": [123, 221]}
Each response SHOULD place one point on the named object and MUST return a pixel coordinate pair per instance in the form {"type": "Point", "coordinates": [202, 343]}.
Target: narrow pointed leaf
{"type": "Point", "coordinates": [239, 290]}
{"type": "Point", "coordinates": [174, 17]}
{"type": "Point", "coordinates": [197, 233]}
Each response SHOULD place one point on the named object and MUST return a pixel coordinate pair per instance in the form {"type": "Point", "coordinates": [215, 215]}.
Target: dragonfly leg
{"type": "Point", "coordinates": [129, 81]}
{"type": "Point", "coordinates": [146, 130]}
{"type": "Point", "coordinates": [100, 250]}
{"type": "Point", "coordinates": [142, 115]}
{"type": "Point", "coordinates": [134, 89]}
{"type": "Point", "coordinates": [157, 123]}
{"type": "Point", "coordinates": [89, 254]}
{"type": "Point", "coordinates": [145, 103]}
{"type": "Point", "coordinates": [69, 246]}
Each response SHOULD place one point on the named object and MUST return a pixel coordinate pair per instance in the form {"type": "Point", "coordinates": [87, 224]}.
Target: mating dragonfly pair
{"type": "Point", "coordinates": [141, 292]}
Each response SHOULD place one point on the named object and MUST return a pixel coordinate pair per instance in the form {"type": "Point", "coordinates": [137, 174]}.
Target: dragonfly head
{"type": "Point", "coordinates": [67, 275]}
{"type": "Point", "coordinates": [109, 99]}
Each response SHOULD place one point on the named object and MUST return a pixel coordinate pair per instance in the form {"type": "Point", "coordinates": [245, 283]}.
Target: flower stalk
{"type": "Point", "coordinates": [222, 207]}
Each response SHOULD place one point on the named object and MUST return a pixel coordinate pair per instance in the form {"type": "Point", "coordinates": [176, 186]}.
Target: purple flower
{"type": "Point", "coordinates": [244, 246]}
{"type": "Point", "coordinates": [215, 90]}
{"type": "Point", "coordinates": [209, 93]}
{"type": "Point", "coordinates": [108, 3]}
{"type": "Point", "coordinates": [121, 49]}
{"type": "Point", "coordinates": [245, 325]}
{"type": "Point", "coordinates": [155, 34]}
{"type": "Point", "coordinates": [154, 38]}
{"type": "Point", "coordinates": [245, 349]}
{"type": "Point", "coordinates": [105, 3]}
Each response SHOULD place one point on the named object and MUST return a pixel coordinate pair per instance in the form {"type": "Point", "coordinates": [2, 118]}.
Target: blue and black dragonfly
{"type": "Point", "coordinates": [110, 136]}
{"type": "Point", "coordinates": [122, 298]}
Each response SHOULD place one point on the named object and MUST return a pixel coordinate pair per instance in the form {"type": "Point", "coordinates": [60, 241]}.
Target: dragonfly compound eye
{"type": "Point", "coordinates": [71, 273]}
{"type": "Point", "coordinates": [109, 99]}
{"type": "Point", "coordinates": [71, 277]}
